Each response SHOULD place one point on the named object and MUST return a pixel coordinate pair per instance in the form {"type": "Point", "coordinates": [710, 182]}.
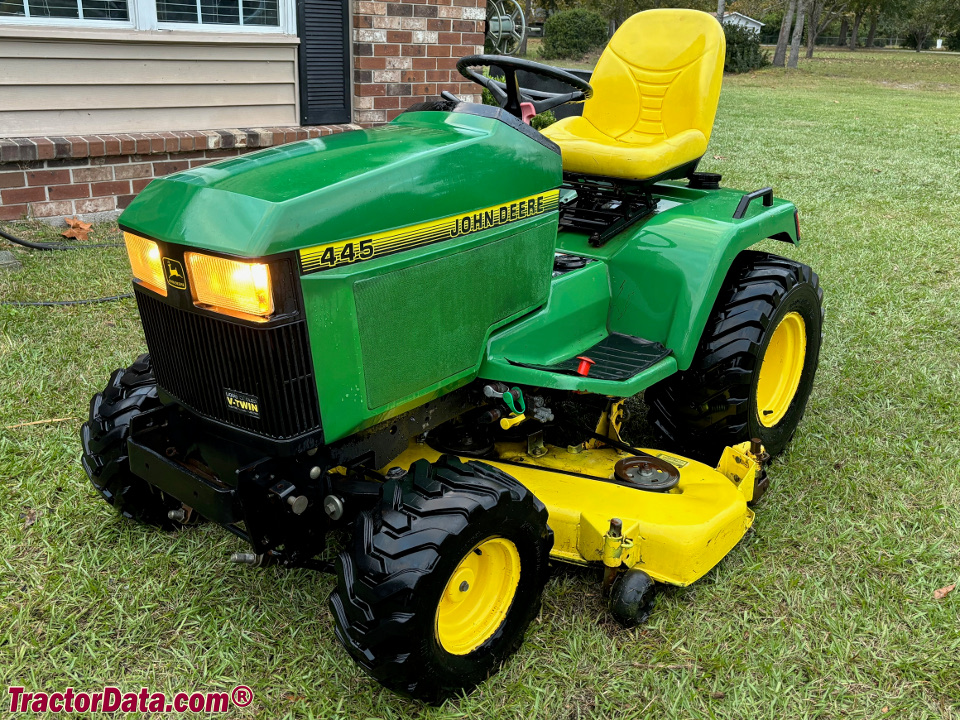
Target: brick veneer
{"type": "Point", "coordinates": [52, 178]}
{"type": "Point", "coordinates": [406, 52]}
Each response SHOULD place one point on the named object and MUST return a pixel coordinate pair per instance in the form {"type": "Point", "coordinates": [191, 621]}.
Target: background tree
{"type": "Point", "coordinates": [528, 17]}
{"type": "Point", "coordinates": [859, 8]}
{"type": "Point", "coordinates": [615, 12]}
{"type": "Point", "coordinates": [822, 14]}
{"type": "Point", "coordinates": [872, 32]}
{"type": "Point", "coordinates": [797, 35]}
{"type": "Point", "coordinates": [780, 54]}
{"type": "Point", "coordinates": [929, 17]}
{"type": "Point", "coordinates": [844, 29]}
{"type": "Point", "coordinates": [551, 6]}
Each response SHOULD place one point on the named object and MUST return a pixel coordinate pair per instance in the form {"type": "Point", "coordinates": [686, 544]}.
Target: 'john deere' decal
{"type": "Point", "coordinates": [346, 252]}
{"type": "Point", "coordinates": [242, 403]}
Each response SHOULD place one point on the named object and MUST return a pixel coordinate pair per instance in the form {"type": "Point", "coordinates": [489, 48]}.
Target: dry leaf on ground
{"type": "Point", "coordinates": [78, 229]}
{"type": "Point", "coordinates": [943, 592]}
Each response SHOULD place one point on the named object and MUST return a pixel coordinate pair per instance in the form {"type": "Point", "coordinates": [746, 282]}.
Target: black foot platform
{"type": "Point", "coordinates": [616, 357]}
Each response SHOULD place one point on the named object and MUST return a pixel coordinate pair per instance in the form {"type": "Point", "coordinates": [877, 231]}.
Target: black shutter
{"type": "Point", "coordinates": [324, 61]}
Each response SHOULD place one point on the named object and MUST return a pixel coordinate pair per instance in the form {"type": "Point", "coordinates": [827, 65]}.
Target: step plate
{"type": "Point", "coordinates": [616, 357]}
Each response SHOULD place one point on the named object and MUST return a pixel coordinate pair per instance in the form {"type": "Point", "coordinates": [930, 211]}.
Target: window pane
{"type": "Point", "coordinates": [217, 12]}
{"type": "Point", "coordinates": [260, 12]}
{"type": "Point", "coordinates": [105, 10]}
{"type": "Point", "coordinates": [177, 11]}
{"type": "Point", "coordinates": [220, 12]}
{"type": "Point", "coordinates": [11, 7]}
{"type": "Point", "coordinates": [54, 8]}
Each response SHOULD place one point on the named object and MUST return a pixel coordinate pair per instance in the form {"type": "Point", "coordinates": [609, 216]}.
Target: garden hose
{"type": "Point", "coordinates": [53, 246]}
{"type": "Point", "coordinates": [59, 303]}
{"type": "Point", "coordinates": [59, 246]}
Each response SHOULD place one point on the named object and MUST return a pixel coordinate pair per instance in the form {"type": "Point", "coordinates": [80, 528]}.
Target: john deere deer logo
{"type": "Point", "coordinates": [175, 276]}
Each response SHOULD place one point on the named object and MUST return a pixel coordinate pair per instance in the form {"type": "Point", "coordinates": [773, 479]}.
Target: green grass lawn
{"type": "Point", "coordinates": [826, 611]}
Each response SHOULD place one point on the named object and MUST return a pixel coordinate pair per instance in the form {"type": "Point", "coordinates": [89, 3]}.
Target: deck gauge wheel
{"type": "Point", "coordinates": [632, 597]}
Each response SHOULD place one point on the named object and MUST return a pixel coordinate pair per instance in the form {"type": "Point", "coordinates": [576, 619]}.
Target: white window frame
{"type": "Point", "coordinates": [286, 17]}
{"type": "Point", "coordinates": [143, 16]}
{"type": "Point", "coordinates": [28, 19]}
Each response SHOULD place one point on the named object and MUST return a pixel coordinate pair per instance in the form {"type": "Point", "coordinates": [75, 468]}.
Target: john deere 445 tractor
{"type": "Point", "coordinates": [422, 334]}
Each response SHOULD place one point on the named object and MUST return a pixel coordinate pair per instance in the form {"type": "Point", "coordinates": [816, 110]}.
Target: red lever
{"type": "Point", "coordinates": [584, 367]}
{"type": "Point", "coordinates": [527, 111]}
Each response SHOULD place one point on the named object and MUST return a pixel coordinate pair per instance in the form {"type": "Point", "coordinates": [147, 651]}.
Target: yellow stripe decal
{"type": "Point", "coordinates": [347, 252]}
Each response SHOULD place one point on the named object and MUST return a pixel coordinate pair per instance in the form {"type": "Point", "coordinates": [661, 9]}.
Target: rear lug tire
{"type": "Point", "coordinates": [769, 310]}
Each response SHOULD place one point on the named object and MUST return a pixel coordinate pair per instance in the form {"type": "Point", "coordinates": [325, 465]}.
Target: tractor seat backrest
{"type": "Point", "coordinates": [659, 75]}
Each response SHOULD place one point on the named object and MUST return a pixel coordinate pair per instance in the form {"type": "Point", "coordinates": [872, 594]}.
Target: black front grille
{"type": "Point", "coordinates": [198, 359]}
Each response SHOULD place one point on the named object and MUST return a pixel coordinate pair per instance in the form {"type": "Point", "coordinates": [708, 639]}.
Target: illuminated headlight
{"type": "Point", "coordinates": [230, 286]}
{"type": "Point", "coordinates": [145, 262]}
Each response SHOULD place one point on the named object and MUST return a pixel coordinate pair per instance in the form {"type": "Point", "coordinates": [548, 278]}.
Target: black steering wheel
{"type": "Point", "coordinates": [509, 94]}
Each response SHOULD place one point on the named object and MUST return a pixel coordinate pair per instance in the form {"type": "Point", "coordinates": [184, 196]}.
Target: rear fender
{"type": "Point", "coordinates": [666, 278]}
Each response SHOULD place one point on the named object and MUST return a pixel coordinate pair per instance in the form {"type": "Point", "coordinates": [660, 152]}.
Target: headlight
{"type": "Point", "coordinates": [230, 286]}
{"type": "Point", "coordinates": [145, 262]}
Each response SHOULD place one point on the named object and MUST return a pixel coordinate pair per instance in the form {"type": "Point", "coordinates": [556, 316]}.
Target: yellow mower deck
{"type": "Point", "coordinates": [675, 536]}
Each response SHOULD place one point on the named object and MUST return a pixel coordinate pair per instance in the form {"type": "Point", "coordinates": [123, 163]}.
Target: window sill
{"type": "Point", "coordinates": [127, 34]}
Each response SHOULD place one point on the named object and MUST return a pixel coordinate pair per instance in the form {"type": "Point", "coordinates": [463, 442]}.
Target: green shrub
{"type": "Point", "coordinates": [743, 50]}
{"type": "Point", "coordinates": [572, 34]}
{"type": "Point", "coordinates": [538, 122]}
{"type": "Point", "coordinates": [952, 41]}
{"type": "Point", "coordinates": [544, 119]}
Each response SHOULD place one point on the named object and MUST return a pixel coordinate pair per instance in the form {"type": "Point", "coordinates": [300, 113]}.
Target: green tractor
{"type": "Point", "coordinates": [422, 335]}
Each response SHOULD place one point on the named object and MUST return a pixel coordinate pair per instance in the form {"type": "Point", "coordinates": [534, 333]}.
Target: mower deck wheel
{"type": "Point", "coordinates": [632, 597]}
{"type": "Point", "coordinates": [443, 578]}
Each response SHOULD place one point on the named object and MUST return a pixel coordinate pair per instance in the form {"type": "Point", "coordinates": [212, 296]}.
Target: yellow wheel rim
{"type": "Point", "coordinates": [781, 369]}
{"type": "Point", "coordinates": [478, 596]}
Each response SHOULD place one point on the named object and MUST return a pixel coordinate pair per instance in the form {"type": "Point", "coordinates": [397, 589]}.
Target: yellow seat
{"type": "Point", "coordinates": [656, 89]}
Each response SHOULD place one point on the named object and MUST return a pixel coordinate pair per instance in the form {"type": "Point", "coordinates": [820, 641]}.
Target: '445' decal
{"type": "Point", "coordinates": [346, 252]}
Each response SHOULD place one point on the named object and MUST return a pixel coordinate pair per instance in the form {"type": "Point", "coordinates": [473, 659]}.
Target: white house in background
{"type": "Point", "coordinates": [735, 18]}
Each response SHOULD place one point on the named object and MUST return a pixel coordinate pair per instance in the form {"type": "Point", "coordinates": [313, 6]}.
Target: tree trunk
{"type": "Point", "coordinates": [527, 11]}
{"type": "Point", "coordinates": [721, 10]}
{"type": "Point", "coordinates": [844, 27]}
{"type": "Point", "coordinates": [816, 10]}
{"type": "Point", "coordinates": [855, 30]}
{"type": "Point", "coordinates": [780, 55]}
{"type": "Point", "coordinates": [872, 34]}
{"type": "Point", "coordinates": [797, 36]}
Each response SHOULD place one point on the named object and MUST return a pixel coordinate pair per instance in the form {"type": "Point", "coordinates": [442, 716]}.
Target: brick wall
{"type": "Point", "coordinates": [406, 52]}
{"type": "Point", "coordinates": [96, 176]}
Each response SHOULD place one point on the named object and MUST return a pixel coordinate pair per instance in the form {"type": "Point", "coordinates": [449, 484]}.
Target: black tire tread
{"type": "Point", "coordinates": [395, 548]}
{"type": "Point", "coordinates": [130, 392]}
{"type": "Point", "coordinates": [704, 408]}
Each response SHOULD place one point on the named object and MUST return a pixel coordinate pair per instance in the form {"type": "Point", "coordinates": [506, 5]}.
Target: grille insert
{"type": "Point", "coordinates": [197, 359]}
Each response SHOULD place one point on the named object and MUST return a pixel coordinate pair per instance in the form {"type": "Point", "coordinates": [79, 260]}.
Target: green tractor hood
{"type": "Point", "coordinates": [422, 166]}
